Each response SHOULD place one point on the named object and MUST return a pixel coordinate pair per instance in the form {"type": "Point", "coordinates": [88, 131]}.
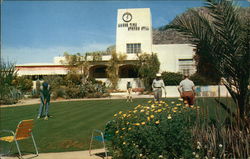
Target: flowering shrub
{"type": "Point", "coordinates": [154, 130]}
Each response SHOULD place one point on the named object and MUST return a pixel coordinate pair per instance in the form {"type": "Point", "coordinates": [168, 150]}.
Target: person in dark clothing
{"type": "Point", "coordinates": [45, 101]}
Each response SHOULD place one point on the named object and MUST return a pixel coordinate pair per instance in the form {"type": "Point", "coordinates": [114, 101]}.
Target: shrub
{"type": "Point", "coordinates": [9, 94]}
{"type": "Point", "coordinates": [24, 84]}
{"type": "Point", "coordinates": [55, 81]}
{"type": "Point", "coordinates": [171, 78]}
{"type": "Point", "coordinates": [59, 92]}
{"type": "Point", "coordinates": [156, 130]}
{"type": "Point", "coordinates": [200, 80]}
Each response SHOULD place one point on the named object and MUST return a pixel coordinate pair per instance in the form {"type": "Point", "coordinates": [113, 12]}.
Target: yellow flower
{"type": "Point", "coordinates": [129, 128]}
{"type": "Point", "coordinates": [169, 117]}
{"type": "Point", "coordinates": [124, 115]}
{"type": "Point", "coordinates": [115, 115]}
{"type": "Point", "coordinates": [152, 116]}
{"type": "Point", "coordinates": [142, 110]}
{"type": "Point", "coordinates": [127, 123]}
{"type": "Point", "coordinates": [117, 132]}
{"type": "Point", "coordinates": [148, 118]}
{"type": "Point", "coordinates": [178, 104]}
{"type": "Point", "coordinates": [174, 111]}
{"type": "Point", "coordinates": [121, 137]}
{"type": "Point", "coordinates": [160, 105]}
{"type": "Point", "coordinates": [172, 102]}
{"type": "Point", "coordinates": [137, 124]}
{"type": "Point", "coordinates": [124, 143]}
{"type": "Point", "coordinates": [120, 112]}
{"type": "Point", "coordinates": [175, 108]}
{"type": "Point", "coordinates": [123, 128]}
{"type": "Point", "coordinates": [142, 123]}
{"type": "Point", "coordinates": [135, 111]}
{"type": "Point", "coordinates": [159, 110]}
{"type": "Point", "coordinates": [157, 122]}
{"type": "Point", "coordinates": [150, 101]}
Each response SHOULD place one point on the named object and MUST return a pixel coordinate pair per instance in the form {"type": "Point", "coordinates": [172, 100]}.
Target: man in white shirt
{"type": "Point", "coordinates": [187, 91]}
{"type": "Point", "coordinates": [157, 86]}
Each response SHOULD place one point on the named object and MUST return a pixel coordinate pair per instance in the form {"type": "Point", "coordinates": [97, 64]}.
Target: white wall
{"type": "Point", "coordinates": [122, 84]}
{"type": "Point", "coordinates": [141, 17]}
{"type": "Point", "coordinates": [206, 91]}
{"type": "Point", "coordinates": [168, 55]}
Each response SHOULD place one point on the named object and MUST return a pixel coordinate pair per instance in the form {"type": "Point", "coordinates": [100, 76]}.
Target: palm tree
{"type": "Point", "coordinates": [221, 37]}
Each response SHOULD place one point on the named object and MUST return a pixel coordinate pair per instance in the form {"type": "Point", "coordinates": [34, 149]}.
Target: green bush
{"type": "Point", "coordinates": [24, 84]}
{"type": "Point", "coordinates": [200, 80]}
{"type": "Point", "coordinates": [156, 130]}
{"type": "Point", "coordinates": [71, 86]}
{"type": "Point", "coordinates": [171, 78]}
{"type": "Point", "coordinates": [9, 94]}
{"type": "Point", "coordinates": [55, 81]}
{"type": "Point", "coordinates": [59, 92]}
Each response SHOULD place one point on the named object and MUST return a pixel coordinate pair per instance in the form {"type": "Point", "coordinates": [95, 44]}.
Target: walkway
{"type": "Point", "coordinates": [63, 155]}
{"type": "Point", "coordinates": [30, 101]}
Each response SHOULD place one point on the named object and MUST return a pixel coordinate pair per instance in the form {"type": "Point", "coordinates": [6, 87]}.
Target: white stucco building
{"type": "Point", "coordinates": [134, 35]}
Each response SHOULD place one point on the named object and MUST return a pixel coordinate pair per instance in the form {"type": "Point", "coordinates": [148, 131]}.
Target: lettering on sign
{"type": "Point", "coordinates": [133, 27]}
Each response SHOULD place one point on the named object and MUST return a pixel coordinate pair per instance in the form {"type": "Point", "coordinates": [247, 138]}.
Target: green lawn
{"type": "Point", "coordinates": [72, 123]}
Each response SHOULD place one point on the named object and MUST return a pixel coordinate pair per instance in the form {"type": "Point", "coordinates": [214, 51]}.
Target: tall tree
{"type": "Point", "coordinates": [113, 68]}
{"type": "Point", "coordinates": [78, 65]}
{"type": "Point", "coordinates": [222, 39]}
{"type": "Point", "coordinates": [148, 65]}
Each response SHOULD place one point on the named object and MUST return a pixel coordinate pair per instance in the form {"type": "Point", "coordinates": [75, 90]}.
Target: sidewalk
{"type": "Point", "coordinates": [30, 101]}
{"type": "Point", "coordinates": [98, 154]}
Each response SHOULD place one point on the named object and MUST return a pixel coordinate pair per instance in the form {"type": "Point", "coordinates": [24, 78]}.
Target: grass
{"type": "Point", "coordinates": [72, 123]}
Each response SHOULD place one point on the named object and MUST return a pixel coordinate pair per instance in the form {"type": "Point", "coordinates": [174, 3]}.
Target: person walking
{"type": "Point", "coordinates": [157, 86]}
{"type": "Point", "coordinates": [187, 91]}
{"type": "Point", "coordinates": [45, 101]}
{"type": "Point", "coordinates": [129, 92]}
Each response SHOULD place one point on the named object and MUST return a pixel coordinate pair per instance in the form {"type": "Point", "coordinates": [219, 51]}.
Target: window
{"type": "Point", "coordinates": [186, 66]}
{"type": "Point", "coordinates": [133, 48]}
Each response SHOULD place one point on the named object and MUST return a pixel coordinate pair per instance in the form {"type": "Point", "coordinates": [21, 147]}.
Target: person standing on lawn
{"type": "Point", "coordinates": [157, 86]}
{"type": "Point", "coordinates": [45, 101]}
{"type": "Point", "coordinates": [129, 91]}
{"type": "Point", "coordinates": [187, 91]}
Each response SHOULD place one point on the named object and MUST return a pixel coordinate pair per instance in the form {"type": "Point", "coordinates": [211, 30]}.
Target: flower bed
{"type": "Point", "coordinates": [155, 130]}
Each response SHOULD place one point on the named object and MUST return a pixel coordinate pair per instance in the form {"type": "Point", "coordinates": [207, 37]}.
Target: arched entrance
{"type": "Point", "coordinates": [128, 71]}
{"type": "Point", "coordinates": [98, 71]}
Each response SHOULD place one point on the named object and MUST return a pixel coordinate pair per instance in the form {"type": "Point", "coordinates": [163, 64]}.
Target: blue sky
{"type": "Point", "coordinates": [36, 31]}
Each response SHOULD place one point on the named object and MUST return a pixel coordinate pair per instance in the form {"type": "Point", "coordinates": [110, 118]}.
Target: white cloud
{"type": "Point", "coordinates": [45, 55]}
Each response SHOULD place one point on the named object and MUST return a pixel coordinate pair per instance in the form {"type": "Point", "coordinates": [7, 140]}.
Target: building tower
{"type": "Point", "coordinates": [134, 31]}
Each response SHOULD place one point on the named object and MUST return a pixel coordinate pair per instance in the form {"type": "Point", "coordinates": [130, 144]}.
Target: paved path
{"type": "Point", "coordinates": [63, 155]}
{"type": "Point", "coordinates": [30, 101]}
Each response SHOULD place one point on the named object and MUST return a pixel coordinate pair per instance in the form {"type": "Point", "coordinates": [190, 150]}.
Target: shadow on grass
{"type": "Point", "coordinates": [102, 154]}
